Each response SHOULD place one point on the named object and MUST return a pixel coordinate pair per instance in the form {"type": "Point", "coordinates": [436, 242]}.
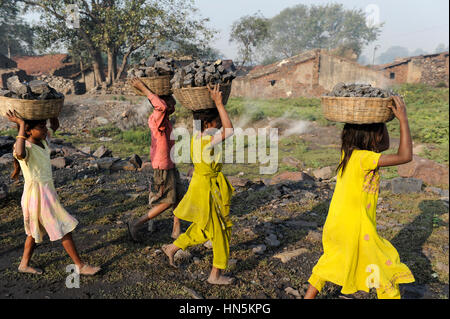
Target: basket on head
{"type": "Point", "coordinates": [159, 85]}
{"type": "Point", "coordinates": [199, 98]}
{"type": "Point", "coordinates": [357, 110]}
{"type": "Point", "coordinates": [31, 109]}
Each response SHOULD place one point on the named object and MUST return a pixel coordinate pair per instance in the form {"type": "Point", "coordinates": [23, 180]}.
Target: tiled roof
{"type": "Point", "coordinates": [406, 60]}
{"type": "Point", "coordinates": [43, 64]}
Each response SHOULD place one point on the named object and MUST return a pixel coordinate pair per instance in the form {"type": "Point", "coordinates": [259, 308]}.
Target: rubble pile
{"type": "Point", "coordinates": [199, 73]}
{"type": "Point", "coordinates": [63, 85]}
{"type": "Point", "coordinates": [33, 90]}
{"type": "Point", "coordinates": [153, 66]}
{"type": "Point", "coordinates": [359, 90]}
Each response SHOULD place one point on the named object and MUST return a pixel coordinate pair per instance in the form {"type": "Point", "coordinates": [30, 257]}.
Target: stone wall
{"type": "Point", "coordinates": [334, 69]}
{"type": "Point", "coordinates": [310, 74]}
{"type": "Point", "coordinates": [291, 77]}
{"type": "Point", "coordinates": [430, 69]}
{"type": "Point", "coordinates": [63, 85]}
{"type": "Point", "coordinates": [435, 69]}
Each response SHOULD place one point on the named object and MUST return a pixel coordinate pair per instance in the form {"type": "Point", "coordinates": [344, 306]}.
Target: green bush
{"type": "Point", "coordinates": [136, 136]}
{"type": "Point", "coordinates": [105, 131]}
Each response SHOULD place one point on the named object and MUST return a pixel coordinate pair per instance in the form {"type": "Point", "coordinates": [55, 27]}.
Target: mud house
{"type": "Point", "coordinates": [310, 74]}
{"type": "Point", "coordinates": [431, 69]}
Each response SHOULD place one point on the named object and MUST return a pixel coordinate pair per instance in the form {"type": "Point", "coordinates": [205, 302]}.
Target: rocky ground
{"type": "Point", "coordinates": [277, 229]}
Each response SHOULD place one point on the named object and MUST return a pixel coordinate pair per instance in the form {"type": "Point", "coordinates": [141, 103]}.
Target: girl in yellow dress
{"type": "Point", "coordinates": [207, 201]}
{"type": "Point", "coordinates": [42, 211]}
{"type": "Point", "coordinates": [355, 256]}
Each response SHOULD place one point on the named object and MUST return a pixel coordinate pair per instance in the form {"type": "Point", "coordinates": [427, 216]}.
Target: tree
{"type": "Point", "coordinates": [249, 32]}
{"type": "Point", "coordinates": [330, 26]}
{"type": "Point", "coordinates": [17, 36]}
{"type": "Point", "coordinates": [418, 51]}
{"type": "Point", "coordinates": [118, 28]}
{"type": "Point", "coordinates": [441, 48]}
{"type": "Point", "coordinates": [363, 60]}
{"type": "Point", "coordinates": [392, 53]}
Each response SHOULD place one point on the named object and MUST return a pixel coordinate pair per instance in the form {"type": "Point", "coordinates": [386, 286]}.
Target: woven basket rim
{"type": "Point", "coordinates": [153, 77]}
{"type": "Point", "coordinates": [356, 97]}
{"type": "Point", "coordinates": [199, 87]}
{"type": "Point", "coordinates": [31, 101]}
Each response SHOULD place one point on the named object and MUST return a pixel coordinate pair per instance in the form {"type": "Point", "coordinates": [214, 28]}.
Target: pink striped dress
{"type": "Point", "coordinates": [42, 211]}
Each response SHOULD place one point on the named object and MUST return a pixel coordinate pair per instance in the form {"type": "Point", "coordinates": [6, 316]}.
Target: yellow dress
{"type": "Point", "coordinates": [355, 256]}
{"type": "Point", "coordinates": [42, 211]}
{"type": "Point", "coordinates": [207, 203]}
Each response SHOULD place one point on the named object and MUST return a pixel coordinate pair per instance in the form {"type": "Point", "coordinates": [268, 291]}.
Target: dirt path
{"type": "Point", "coordinates": [286, 218]}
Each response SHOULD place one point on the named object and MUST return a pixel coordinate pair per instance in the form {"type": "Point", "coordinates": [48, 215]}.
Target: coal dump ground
{"type": "Point", "coordinates": [286, 217]}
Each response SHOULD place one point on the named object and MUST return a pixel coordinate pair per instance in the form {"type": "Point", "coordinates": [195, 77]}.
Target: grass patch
{"type": "Point", "coordinates": [428, 114]}
{"type": "Point", "coordinates": [301, 108]}
{"type": "Point", "coordinates": [11, 132]}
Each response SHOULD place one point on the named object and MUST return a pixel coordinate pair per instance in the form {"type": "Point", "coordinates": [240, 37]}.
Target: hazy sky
{"type": "Point", "coordinates": [409, 23]}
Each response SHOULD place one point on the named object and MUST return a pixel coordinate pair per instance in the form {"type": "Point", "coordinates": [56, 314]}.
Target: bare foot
{"type": "Point", "coordinates": [30, 270]}
{"type": "Point", "coordinates": [221, 280]}
{"type": "Point", "coordinates": [132, 232]}
{"type": "Point", "coordinates": [89, 270]}
{"type": "Point", "coordinates": [170, 251]}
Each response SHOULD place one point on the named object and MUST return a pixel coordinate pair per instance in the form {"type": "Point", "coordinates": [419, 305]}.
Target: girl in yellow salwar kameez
{"type": "Point", "coordinates": [207, 201]}
{"type": "Point", "coordinates": [355, 256]}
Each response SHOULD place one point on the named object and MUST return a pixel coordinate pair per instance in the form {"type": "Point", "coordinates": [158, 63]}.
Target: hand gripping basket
{"type": "Point", "coordinates": [199, 98]}
{"type": "Point", "coordinates": [357, 110]}
{"type": "Point", "coordinates": [31, 109]}
{"type": "Point", "coordinates": [159, 85]}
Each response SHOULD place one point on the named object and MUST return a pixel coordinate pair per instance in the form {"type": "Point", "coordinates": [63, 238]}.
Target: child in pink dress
{"type": "Point", "coordinates": [166, 189]}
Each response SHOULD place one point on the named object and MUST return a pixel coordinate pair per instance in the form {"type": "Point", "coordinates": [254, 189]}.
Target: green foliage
{"type": "Point", "coordinates": [10, 132]}
{"type": "Point", "coordinates": [119, 27]}
{"type": "Point", "coordinates": [329, 26]}
{"type": "Point", "coordinates": [249, 32]}
{"type": "Point", "coordinates": [105, 131]}
{"type": "Point", "coordinates": [137, 136]}
{"type": "Point", "coordinates": [428, 114]}
{"type": "Point", "coordinates": [17, 36]}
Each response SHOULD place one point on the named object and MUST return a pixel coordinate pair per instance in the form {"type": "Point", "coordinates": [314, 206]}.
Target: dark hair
{"type": "Point", "coordinates": [167, 97]}
{"type": "Point", "coordinates": [29, 124]}
{"type": "Point", "coordinates": [206, 116]}
{"type": "Point", "coordinates": [359, 137]}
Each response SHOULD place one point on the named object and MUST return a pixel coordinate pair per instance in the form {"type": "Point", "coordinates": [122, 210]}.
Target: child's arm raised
{"type": "Point", "coordinates": [19, 146]}
{"type": "Point", "coordinates": [404, 153]}
{"type": "Point", "coordinates": [227, 126]}
{"type": "Point", "coordinates": [158, 104]}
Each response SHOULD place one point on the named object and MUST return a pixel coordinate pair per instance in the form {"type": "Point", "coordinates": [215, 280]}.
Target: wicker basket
{"type": "Point", "coordinates": [31, 109]}
{"type": "Point", "coordinates": [357, 110]}
{"type": "Point", "coordinates": [159, 85]}
{"type": "Point", "coordinates": [199, 98]}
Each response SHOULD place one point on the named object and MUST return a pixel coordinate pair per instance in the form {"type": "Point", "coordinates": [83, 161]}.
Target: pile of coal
{"type": "Point", "coordinates": [33, 90]}
{"type": "Point", "coordinates": [360, 90]}
{"type": "Point", "coordinates": [200, 73]}
{"type": "Point", "coordinates": [155, 65]}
